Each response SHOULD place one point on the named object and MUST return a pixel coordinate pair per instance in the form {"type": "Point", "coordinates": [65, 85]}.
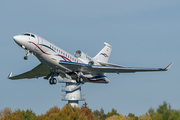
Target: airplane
{"type": "Point", "coordinates": [80, 67]}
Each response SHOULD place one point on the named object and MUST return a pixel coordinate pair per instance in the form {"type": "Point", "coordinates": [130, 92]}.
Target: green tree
{"type": "Point", "coordinates": [7, 114]}
{"type": "Point", "coordinates": [27, 115]}
{"type": "Point", "coordinates": [117, 117]}
{"type": "Point", "coordinates": [113, 112]}
{"type": "Point", "coordinates": [102, 115]}
{"type": "Point", "coordinates": [175, 115]}
{"type": "Point", "coordinates": [52, 113]}
{"type": "Point", "coordinates": [88, 113]}
{"type": "Point", "coordinates": [151, 113]}
{"type": "Point", "coordinates": [145, 117]}
{"type": "Point", "coordinates": [132, 116]}
{"type": "Point", "coordinates": [164, 110]}
{"type": "Point", "coordinates": [67, 113]}
{"type": "Point", "coordinates": [85, 104]}
{"type": "Point", "coordinates": [96, 113]}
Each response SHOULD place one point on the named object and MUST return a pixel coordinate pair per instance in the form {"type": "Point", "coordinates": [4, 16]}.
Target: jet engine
{"type": "Point", "coordinates": [91, 63]}
{"type": "Point", "coordinates": [83, 57]}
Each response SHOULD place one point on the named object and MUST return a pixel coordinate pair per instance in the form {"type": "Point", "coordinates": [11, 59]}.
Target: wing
{"type": "Point", "coordinates": [36, 72]}
{"type": "Point", "coordinates": [94, 69]}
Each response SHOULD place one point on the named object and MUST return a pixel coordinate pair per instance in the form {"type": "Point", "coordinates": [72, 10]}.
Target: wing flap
{"type": "Point", "coordinates": [36, 72]}
{"type": "Point", "coordinates": [86, 68]}
{"type": "Point", "coordinates": [109, 64]}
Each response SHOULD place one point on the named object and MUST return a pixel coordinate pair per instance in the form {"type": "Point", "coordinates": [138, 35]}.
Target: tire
{"type": "Point", "coordinates": [54, 81]}
{"type": "Point", "coordinates": [77, 80]}
{"type": "Point", "coordinates": [81, 80]}
{"type": "Point", "coordinates": [25, 57]}
{"type": "Point", "coordinates": [50, 81]}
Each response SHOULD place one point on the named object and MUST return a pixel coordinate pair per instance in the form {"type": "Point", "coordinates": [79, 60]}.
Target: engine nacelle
{"type": "Point", "coordinates": [83, 57]}
{"type": "Point", "coordinates": [91, 63]}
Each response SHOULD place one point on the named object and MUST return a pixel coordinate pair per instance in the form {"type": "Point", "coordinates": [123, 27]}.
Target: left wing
{"type": "Point", "coordinates": [36, 72]}
{"type": "Point", "coordinates": [96, 69]}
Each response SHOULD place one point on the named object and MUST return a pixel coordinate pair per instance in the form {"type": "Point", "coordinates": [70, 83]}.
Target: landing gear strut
{"type": "Point", "coordinates": [27, 53]}
{"type": "Point", "coordinates": [52, 80]}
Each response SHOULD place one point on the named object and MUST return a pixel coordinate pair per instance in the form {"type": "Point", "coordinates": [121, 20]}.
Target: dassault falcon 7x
{"type": "Point", "coordinates": [80, 67]}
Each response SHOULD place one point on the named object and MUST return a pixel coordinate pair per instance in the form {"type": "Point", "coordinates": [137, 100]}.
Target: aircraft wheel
{"type": "Point", "coordinates": [54, 81]}
{"type": "Point", "coordinates": [25, 57]}
{"type": "Point", "coordinates": [50, 81]}
{"type": "Point", "coordinates": [80, 79]}
{"type": "Point", "coordinates": [77, 80]}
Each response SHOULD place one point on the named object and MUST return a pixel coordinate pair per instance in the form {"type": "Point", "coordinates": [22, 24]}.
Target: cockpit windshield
{"type": "Point", "coordinates": [27, 34]}
{"type": "Point", "coordinates": [32, 35]}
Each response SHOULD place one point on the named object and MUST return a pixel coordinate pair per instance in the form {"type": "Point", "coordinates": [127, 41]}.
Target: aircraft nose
{"type": "Point", "coordinates": [17, 39]}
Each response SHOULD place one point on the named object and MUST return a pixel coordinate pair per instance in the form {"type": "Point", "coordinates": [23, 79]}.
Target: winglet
{"type": "Point", "coordinates": [10, 75]}
{"type": "Point", "coordinates": [167, 68]}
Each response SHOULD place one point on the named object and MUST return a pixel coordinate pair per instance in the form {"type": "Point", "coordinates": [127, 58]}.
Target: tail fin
{"type": "Point", "coordinates": [103, 55]}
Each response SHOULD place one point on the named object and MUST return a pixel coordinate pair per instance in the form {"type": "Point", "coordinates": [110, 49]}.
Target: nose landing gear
{"type": "Point", "coordinates": [27, 53]}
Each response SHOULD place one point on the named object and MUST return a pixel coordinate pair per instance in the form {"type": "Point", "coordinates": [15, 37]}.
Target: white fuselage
{"type": "Point", "coordinates": [50, 55]}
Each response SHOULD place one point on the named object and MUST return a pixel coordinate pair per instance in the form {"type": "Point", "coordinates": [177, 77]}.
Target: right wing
{"type": "Point", "coordinates": [38, 71]}
{"type": "Point", "coordinates": [96, 69]}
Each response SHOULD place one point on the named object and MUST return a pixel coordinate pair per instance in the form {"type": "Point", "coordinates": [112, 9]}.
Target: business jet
{"type": "Point", "coordinates": [80, 67]}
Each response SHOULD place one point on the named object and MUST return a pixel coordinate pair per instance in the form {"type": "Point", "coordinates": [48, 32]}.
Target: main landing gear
{"type": "Point", "coordinates": [79, 78]}
{"type": "Point", "coordinates": [52, 80]}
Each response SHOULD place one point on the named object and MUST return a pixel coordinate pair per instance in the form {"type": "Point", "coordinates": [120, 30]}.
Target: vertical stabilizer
{"type": "Point", "coordinates": [103, 55]}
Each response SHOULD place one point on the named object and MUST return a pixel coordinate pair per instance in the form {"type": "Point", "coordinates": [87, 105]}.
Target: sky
{"type": "Point", "coordinates": [142, 34]}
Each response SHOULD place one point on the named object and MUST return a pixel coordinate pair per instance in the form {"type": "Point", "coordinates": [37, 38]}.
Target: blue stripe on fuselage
{"type": "Point", "coordinates": [47, 47]}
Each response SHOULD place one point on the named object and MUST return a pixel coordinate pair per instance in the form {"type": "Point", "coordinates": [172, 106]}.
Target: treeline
{"type": "Point", "coordinates": [163, 112]}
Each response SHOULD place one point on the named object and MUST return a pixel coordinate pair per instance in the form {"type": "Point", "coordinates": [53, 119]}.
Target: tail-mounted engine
{"type": "Point", "coordinates": [84, 58]}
